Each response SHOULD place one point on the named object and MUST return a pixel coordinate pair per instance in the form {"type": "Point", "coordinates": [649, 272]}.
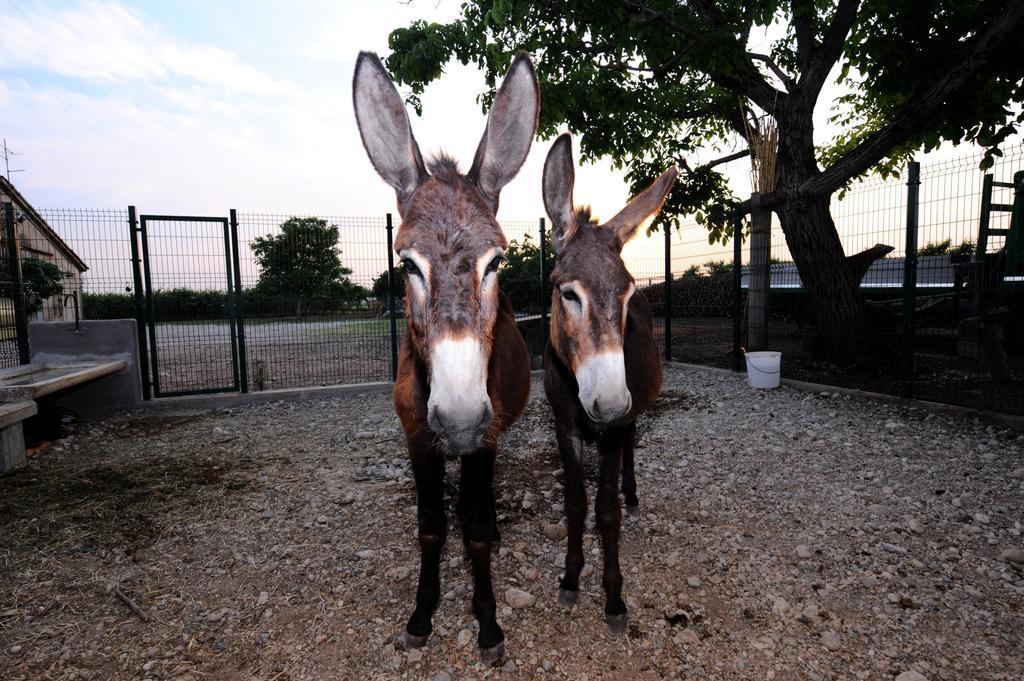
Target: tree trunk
{"type": "Point", "coordinates": [812, 237]}
{"type": "Point", "coordinates": [818, 253]}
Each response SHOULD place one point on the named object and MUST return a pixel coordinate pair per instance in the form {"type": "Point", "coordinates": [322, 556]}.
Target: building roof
{"type": "Point", "coordinates": [16, 198]}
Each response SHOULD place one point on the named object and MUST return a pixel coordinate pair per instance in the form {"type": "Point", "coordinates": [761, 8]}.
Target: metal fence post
{"type": "Point", "coordinates": [910, 281]}
{"type": "Point", "coordinates": [243, 369]}
{"type": "Point", "coordinates": [18, 283]}
{"type": "Point", "coordinates": [667, 296]}
{"type": "Point", "coordinates": [543, 281]}
{"type": "Point", "coordinates": [391, 301]}
{"type": "Point", "coordinates": [139, 301]}
{"type": "Point", "coordinates": [737, 293]}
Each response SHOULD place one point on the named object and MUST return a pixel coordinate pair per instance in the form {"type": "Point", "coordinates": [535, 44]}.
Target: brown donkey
{"type": "Point", "coordinates": [602, 365]}
{"type": "Point", "coordinates": [464, 371]}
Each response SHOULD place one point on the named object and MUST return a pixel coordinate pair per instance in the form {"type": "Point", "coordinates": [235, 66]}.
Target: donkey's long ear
{"type": "Point", "coordinates": [384, 127]}
{"type": "Point", "coordinates": [510, 129]}
{"type": "Point", "coordinates": [559, 178]}
{"type": "Point", "coordinates": [644, 205]}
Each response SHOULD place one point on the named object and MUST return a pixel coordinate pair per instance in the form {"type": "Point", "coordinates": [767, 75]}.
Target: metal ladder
{"type": "Point", "coordinates": [1013, 275]}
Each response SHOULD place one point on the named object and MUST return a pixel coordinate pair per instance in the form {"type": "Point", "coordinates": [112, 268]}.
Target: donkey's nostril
{"type": "Point", "coordinates": [487, 416]}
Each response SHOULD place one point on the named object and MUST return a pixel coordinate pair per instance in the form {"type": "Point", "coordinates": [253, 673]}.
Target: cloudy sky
{"type": "Point", "coordinates": [196, 106]}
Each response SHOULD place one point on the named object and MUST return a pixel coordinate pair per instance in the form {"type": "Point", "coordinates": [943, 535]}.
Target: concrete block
{"type": "Point", "coordinates": [94, 340]}
{"type": "Point", "coordinates": [12, 447]}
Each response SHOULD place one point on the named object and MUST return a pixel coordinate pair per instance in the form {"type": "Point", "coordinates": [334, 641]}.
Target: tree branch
{"type": "Point", "coordinates": [914, 115]}
{"type": "Point", "coordinates": [827, 54]}
{"type": "Point", "coordinates": [711, 164]}
{"type": "Point", "coordinates": [786, 79]}
{"type": "Point", "coordinates": [802, 11]}
{"type": "Point", "coordinates": [751, 83]}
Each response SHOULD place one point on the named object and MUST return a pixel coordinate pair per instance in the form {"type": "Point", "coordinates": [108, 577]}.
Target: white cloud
{"type": "Point", "coordinates": [108, 42]}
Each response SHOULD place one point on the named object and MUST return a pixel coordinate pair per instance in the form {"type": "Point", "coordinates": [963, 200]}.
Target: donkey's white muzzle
{"type": "Point", "coordinates": [459, 409]}
{"type": "Point", "coordinates": [603, 391]}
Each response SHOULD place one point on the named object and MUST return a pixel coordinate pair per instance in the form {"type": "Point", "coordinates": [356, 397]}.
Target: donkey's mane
{"type": "Point", "coordinates": [443, 167]}
{"type": "Point", "coordinates": [584, 216]}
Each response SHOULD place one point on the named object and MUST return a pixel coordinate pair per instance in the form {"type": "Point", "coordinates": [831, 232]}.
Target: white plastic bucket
{"type": "Point", "coordinates": [764, 368]}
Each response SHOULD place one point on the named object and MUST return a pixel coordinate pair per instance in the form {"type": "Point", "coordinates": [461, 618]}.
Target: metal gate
{"type": "Point", "coordinates": [188, 304]}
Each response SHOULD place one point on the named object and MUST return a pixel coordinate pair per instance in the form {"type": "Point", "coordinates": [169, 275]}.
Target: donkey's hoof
{"type": "Point", "coordinates": [567, 598]}
{"type": "Point", "coordinates": [632, 510]}
{"type": "Point", "coordinates": [616, 624]}
{"type": "Point", "coordinates": [493, 657]}
{"type": "Point", "coordinates": [409, 641]}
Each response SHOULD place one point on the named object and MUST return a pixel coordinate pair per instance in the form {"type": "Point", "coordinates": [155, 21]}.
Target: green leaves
{"type": "Point", "coordinates": [303, 262]}
{"type": "Point", "coordinates": [648, 84]}
{"type": "Point", "coordinates": [42, 280]}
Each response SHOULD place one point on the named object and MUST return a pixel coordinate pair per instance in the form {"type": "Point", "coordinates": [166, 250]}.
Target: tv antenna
{"type": "Point", "coordinates": [8, 153]}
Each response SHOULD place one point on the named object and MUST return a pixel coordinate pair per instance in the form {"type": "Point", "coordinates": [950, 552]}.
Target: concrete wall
{"type": "Point", "coordinates": [59, 343]}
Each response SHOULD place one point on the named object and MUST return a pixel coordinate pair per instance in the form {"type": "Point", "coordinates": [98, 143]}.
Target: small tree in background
{"type": "Point", "coordinates": [379, 290]}
{"type": "Point", "coordinates": [520, 275]}
{"type": "Point", "coordinates": [42, 280]}
{"type": "Point", "coordinates": [303, 263]}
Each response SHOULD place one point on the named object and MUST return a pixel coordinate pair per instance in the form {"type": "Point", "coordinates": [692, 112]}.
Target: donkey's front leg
{"type": "Point", "coordinates": [609, 522]}
{"type": "Point", "coordinates": [476, 496]}
{"type": "Point", "coordinates": [428, 470]}
{"type": "Point", "coordinates": [570, 446]}
{"type": "Point", "coordinates": [629, 469]}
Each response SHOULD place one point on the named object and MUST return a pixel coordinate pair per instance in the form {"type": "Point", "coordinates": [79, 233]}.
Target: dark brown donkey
{"type": "Point", "coordinates": [464, 371]}
{"type": "Point", "coordinates": [602, 365]}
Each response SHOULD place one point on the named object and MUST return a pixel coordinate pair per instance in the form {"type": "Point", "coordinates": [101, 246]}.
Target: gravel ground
{"type": "Point", "coordinates": [783, 535]}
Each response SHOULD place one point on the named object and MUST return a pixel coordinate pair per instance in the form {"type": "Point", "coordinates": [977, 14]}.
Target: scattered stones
{"type": "Point", "coordinates": [831, 640]}
{"type": "Point", "coordinates": [216, 615]}
{"type": "Point", "coordinates": [687, 637]}
{"type": "Point", "coordinates": [873, 517]}
{"type": "Point", "coordinates": [555, 532]}
{"type": "Point", "coordinates": [911, 675]}
{"type": "Point", "coordinates": [517, 598]}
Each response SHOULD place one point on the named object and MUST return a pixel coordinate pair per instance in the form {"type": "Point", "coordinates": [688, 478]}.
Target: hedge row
{"type": "Point", "coordinates": [188, 304]}
{"type": "Point", "coordinates": [694, 295]}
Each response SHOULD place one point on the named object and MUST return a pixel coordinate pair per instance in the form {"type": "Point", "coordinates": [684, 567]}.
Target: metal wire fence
{"type": "Point", "coordinates": [307, 299]}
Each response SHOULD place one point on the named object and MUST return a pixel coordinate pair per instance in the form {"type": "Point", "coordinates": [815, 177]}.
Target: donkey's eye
{"type": "Point", "coordinates": [494, 264]}
{"type": "Point", "coordinates": [570, 295]}
{"type": "Point", "coordinates": [410, 267]}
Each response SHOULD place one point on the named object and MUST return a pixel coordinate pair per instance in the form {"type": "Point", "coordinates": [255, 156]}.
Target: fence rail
{"type": "Point", "coordinates": [322, 304]}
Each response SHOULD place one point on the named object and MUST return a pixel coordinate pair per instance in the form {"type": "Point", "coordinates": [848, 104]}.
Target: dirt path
{"type": "Point", "coordinates": [783, 536]}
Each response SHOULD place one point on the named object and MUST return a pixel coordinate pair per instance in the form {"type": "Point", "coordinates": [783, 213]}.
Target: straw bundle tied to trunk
{"type": "Point", "coordinates": [764, 149]}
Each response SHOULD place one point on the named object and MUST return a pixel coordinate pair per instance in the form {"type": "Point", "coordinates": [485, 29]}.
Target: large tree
{"type": "Point", "coordinates": [650, 82]}
{"type": "Point", "coordinates": [302, 263]}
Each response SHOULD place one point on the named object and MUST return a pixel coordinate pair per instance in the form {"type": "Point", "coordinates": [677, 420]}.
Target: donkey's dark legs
{"type": "Point", "coordinates": [628, 470]}
{"type": "Point", "coordinates": [609, 522]}
{"type": "Point", "coordinates": [476, 496]}
{"type": "Point", "coordinates": [460, 507]}
{"type": "Point", "coordinates": [570, 445]}
{"type": "Point", "coordinates": [428, 470]}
